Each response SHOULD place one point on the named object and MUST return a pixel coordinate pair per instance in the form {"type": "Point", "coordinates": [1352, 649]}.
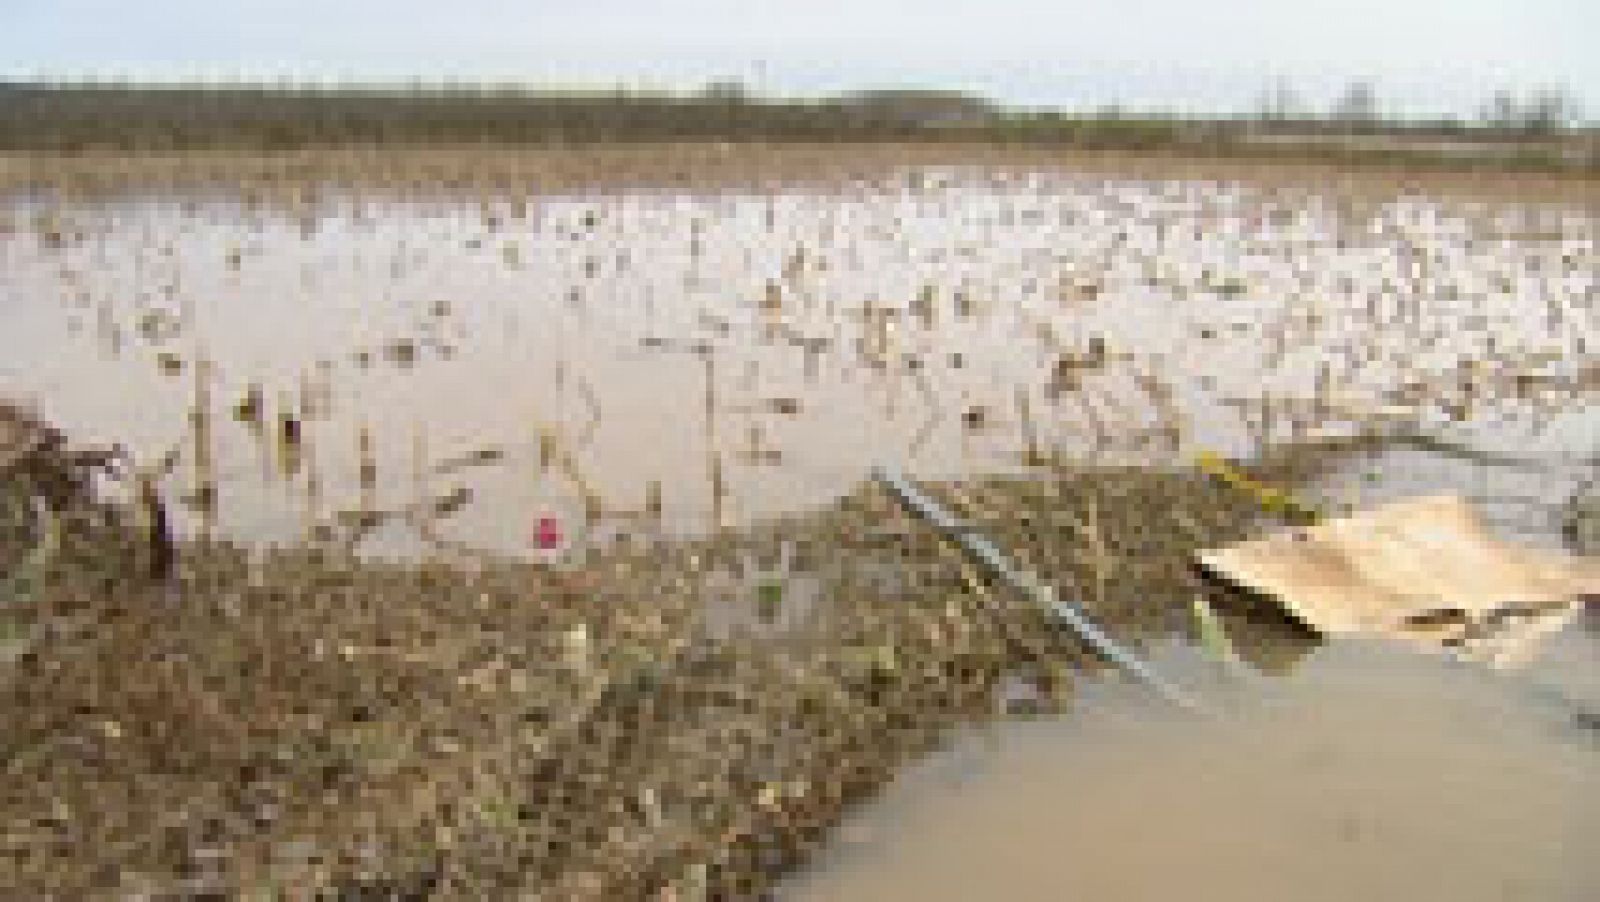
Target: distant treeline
{"type": "Point", "coordinates": [81, 117]}
{"type": "Point", "coordinates": [77, 117]}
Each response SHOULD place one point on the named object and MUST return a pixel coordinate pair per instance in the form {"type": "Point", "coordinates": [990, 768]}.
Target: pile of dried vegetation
{"type": "Point", "coordinates": [665, 722]}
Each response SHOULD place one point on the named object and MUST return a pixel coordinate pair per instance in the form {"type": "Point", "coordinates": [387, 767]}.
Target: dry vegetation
{"type": "Point", "coordinates": [296, 720]}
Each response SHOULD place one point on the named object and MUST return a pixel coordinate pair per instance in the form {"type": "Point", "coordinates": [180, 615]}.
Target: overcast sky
{"type": "Point", "coordinates": [1424, 56]}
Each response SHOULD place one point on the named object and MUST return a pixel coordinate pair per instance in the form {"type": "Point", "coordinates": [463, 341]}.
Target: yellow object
{"type": "Point", "coordinates": [1270, 499]}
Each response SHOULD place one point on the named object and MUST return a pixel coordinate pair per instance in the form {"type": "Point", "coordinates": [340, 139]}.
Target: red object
{"type": "Point", "coordinates": [547, 535]}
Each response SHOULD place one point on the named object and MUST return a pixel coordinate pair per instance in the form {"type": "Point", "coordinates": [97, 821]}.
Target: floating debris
{"type": "Point", "coordinates": [451, 502]}
{"type": "Point", "coordinates": [291, 431]}
{"type": "Point", "coordinates": [249, 408]}
{"type": "Point", "coordinates": [170, 364]}
{"type": "Point", "coordinates": [477, 458]}
{"type": "Point", "coordinates": [401, 351]}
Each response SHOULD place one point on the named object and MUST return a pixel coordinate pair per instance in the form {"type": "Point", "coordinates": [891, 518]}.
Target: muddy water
{"type": "Point", "coordinates": [717, 357]}
{"type": "Point", "coordinates": [1368, 774]}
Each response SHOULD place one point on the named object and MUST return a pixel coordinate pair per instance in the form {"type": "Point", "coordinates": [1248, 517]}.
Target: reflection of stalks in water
{"type": "Point", "coordinates": [1250, 421]}
{"type": "Point", "coordinates": [249, 409]}
{"type": "Point", "coordinates": [592, 401]}
{"type": "Point", "coordinates": [313, 497]}
{"type": "Point", "coordinates": [713, 461]}
{"type": "Point", "coordinates": [885, 338]}
{"type": "Point", "coordinates": [1259, 427]}
{"type": "Point", "coordinates": [547, 449]}
{"type": "Point", "coordinates": [1169, 418]}
{"type": "Point", "coordinates": [1118, 408]}
{"type": "Point", "coordinates": [425, 510]}
{"type": "Point", "coordinates": [652, 500]}
{"type": "Point", "coordinates": [290, 436]}
{"type": "Point", "coordinates": [367, 465]}
{"type": "Point", "coordinates": [203, 496]}
{"type": "Point", "coordinates": [919, 378]}
{"type": "Point", "coordinates": [107, 329]}
{"type": "Point", "coordinates": [708, 358]}
{"type": "Point", "coordinates": [874, 338]}
{"type": "Point", "coordinates": [1322, 389]}
{"type": "Point", "coordinates": [889, 381]}
{"type": "Point", "coordinates": [923, 308]}
{"type": "Point", "coordinates": [719, 493]}
{"type": "Point", "coordinates": [425, 513]}
{"type": "Point", "coordinates": [419, 461]}
{"type": "Point", "coordinates": [757, 451]}
{"type": "Point", "coordinates": [1097, 425]}
{"type": "Point", "coordinates": [308, 406]}
{"type": "Point", "coordinates": [1277, 346]}
{"type": "Point", "coordinates": [552, 452]}
{"type": "Point", "coordinates": [1029, 435]}
{"type": "Point", "coordinates": [356, 525]}
{"type": "Point", "coordinates": [1045, 332]}
{"type": "Point", "coordinates": [919, 441]}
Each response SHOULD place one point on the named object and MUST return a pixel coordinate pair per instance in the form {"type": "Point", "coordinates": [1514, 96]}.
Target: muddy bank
{"type": "Point", "coordinates": [676, 721]}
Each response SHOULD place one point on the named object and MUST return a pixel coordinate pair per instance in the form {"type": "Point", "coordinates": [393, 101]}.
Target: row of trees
{"type": "Point", "coordinates": [145, 118]}
{"type": "Point", "coordinates": [1545, 110]}
{"type": "Point", "coordinates": [70, 117]}
{"type": "Point", "coordinates": [1542, 111]}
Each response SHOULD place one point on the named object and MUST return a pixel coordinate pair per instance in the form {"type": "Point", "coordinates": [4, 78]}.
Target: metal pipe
{"type": "Point", "coordinates": [995, 561]}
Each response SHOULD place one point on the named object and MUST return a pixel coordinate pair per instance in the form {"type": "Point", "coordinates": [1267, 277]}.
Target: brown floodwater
{"type": "Point", "coordinates": [667, 362]}
{"type": "Point", "coordinates": [1369, 773]}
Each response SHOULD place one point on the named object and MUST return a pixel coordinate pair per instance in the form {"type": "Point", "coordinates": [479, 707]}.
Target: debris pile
{"type": "Point", "coordinates": [669, 722]}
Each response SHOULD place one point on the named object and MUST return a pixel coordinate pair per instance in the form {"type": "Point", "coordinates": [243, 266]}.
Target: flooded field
{"type": "Point", "coordinates": [438, 374]}
{"type": "Point", "coordinates": [675, 392]}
